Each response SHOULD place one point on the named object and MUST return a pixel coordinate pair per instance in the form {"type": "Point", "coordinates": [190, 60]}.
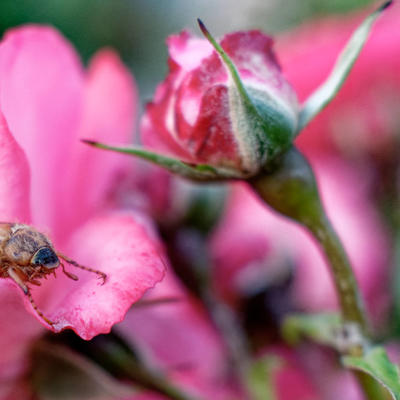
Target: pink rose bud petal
{"type": "Point", "coordinates": [197, 113]}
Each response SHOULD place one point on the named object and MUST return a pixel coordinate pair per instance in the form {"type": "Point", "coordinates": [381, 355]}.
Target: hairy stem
{"type": "Point", "coordinates": [291, 190]}
{"type": "Point", "coordinates": [351, 305]}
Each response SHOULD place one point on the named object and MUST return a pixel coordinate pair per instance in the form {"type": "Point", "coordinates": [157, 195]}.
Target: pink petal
{"type": "Point", "coordinates": [14, 178]}
{"type": "Point", "coordinates": [18, 331]}
{"type": "Point", "coordinates": [108, 116]}
{"type": "Point", "coordinates": [122, 246]}
{"type": "Point", "coordinates": [188, 51]}
{"type": "Point", "coordinates": [208, 138]}
{"type": "Point", "coordinates": [41, 86]}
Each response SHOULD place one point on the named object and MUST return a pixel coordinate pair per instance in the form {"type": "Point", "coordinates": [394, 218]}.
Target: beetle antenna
{"type": "Point", "coordinates": [36, 308]}
{"type": "Point", "coordinates": [101, 274]}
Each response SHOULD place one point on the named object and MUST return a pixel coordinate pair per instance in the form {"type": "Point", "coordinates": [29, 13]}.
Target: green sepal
{"type": "Point", "coordinates": [328, 89]}
{"type": "Point", "coordinates": [266, 130]}
{"type": "Point", "coordinates": [198, 172]}
{"type": "Point", "coordinates": [320, 328]}
{"type": "Point", "coordinates": [376, 363]}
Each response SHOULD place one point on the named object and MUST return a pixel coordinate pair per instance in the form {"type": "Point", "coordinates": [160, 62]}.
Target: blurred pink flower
{"type": "Point", "coordinates": [179, 339]}
{"type": "Point", "coordinates": [364, 116]}
{"type": "Point", "coordinates": [64, 188]}
{"type": "Point", "coordinates": [252, 243]}
{"type": "Point", "coordinates": [196, 114]}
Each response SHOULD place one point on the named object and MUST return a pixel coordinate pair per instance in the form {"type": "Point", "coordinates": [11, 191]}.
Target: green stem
{"type": "Point", "coordinates": [290, 188]}
{"type": "Point", "coordinates": [351, 305]}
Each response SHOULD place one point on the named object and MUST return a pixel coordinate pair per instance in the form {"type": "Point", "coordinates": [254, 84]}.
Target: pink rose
{"type": "Point", "coordinates": [61, 187]}
{"type": "Point", "coordinates": [225, 111]}
{"type": "Point", "coordinates": [197, 114]}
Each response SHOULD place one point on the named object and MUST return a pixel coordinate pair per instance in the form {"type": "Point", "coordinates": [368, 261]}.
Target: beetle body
{"type": "Point", "coordinates": [27, 255]}
{"type": "Point", "coordinates": [26, 248]}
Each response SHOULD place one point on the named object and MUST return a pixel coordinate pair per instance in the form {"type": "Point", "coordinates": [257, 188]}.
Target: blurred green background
{"type": "Point", "coordinates": [137, 28]}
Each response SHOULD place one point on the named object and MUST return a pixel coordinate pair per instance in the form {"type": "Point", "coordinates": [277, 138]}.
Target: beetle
{"type": "Point", "coordinates": [27, 255]}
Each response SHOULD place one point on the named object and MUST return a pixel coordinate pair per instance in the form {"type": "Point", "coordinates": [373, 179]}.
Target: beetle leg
{"type": "Point", "coordinates": [38, 312]}
{"type": "Point", "coordinates": [15, 277]}
{"type": "Point", "coordinates": [71, 276]}
{"type": "Point", "coordinates": [34, 273]}
{"type": "Point", "coordinates": [102, 275]}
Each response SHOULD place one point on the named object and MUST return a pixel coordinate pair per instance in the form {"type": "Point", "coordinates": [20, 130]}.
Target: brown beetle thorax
{"type": "Point", "coordinates": [23, 244]}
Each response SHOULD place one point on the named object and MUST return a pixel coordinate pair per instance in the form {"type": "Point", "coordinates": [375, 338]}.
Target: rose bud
{"type": "Point", "coordinates": [200, 115]}
{"type": "Point", "coordinates": [225, 110]}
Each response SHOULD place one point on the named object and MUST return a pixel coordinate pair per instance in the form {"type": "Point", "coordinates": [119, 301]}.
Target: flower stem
{"type": "Point", "coordinates": [291, 190]}
{"type": "Point", "coordinates": [289, 187]}
{"type": "Point", "coordinates": [350, 301]}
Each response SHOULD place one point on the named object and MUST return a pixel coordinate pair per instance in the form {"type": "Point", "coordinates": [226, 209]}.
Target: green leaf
{"type": "Point", "coordinates": [321, 328]}
{"type": "Point", "coordinates": [259, 377]}
{"type": "Point", "coordinates": [200, 172]}
{"type": "Point", "coordinates": [328, 90]}
{"type": "Point", "coordinates": [376, 363]}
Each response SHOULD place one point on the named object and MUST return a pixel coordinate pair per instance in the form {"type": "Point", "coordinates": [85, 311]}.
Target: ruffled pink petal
{"type": "Point", "coordinates": [14, 178]}
{"type": "Point", "coordinates": [109, 109]}
{"type": "Point", "coordinates": [253, 54]}
{"type": "Point", "coordinates": [41, 84]}
{"type": "Point", "coordinates": [209, 139]}
{"type": "Point", "coordinates": [188, 51]}
{"type": "Point", "coordinates": [121, 245]}
{"type": "Point", "coordinates": [158, 129]}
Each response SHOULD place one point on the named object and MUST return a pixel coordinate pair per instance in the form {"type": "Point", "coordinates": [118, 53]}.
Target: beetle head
{"type": "Point", "coordinates": [45, 257]}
